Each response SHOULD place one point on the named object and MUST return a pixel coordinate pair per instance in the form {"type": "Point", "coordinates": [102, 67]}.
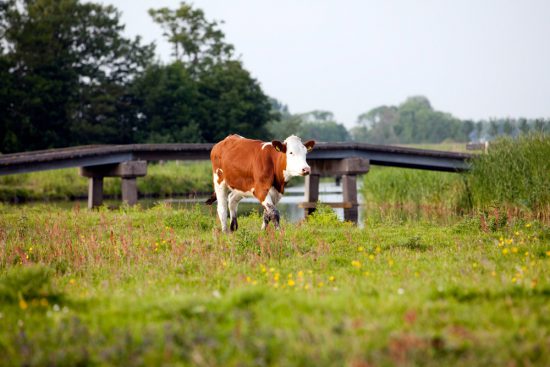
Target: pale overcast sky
{"type": "Point", "coordinates": [474, 59]}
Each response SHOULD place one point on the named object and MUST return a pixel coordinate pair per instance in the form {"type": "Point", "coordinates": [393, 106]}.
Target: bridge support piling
{"type": "Point", "coordinates": [128, 171]}
{"type": "Point", "coordinates": [311, 191]}
{"type": "Point", "coordinates": [349, 193]}
{"type": "Point", "coordinates": [95, 191]}
{"type": "Point", "coordinates": [347, 169]}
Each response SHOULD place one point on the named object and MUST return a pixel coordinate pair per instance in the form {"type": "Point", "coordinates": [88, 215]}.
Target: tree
{"type": "Point", "coordinates": [68, 68]}
{"type": "Point", "coordinates": [197, 42]}
{"type": "Point", "coordinates": [168, 96]}
{"type": "Point", "coordinates": [231, 101]}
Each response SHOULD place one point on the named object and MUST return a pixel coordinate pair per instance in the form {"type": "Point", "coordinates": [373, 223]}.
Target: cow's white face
{"type": "Point", "coordinates": [296, 151]}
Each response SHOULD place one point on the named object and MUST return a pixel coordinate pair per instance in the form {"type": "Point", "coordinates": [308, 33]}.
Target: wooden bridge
{"type": "Point", "coordinates": [345, 160]}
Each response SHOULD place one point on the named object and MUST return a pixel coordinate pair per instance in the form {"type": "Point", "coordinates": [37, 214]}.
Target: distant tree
{"type": "Point", "coordinates": [324, 131]}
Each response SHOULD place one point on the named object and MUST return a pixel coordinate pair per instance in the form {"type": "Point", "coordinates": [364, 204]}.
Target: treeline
{"type": "Point", "coordinates": [69, 77]}
{"type": "Point", "coordinates": [414, 121]}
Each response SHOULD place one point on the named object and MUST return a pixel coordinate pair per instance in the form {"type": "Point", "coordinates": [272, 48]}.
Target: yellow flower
{"type": "Point", "coordinates": [306, 287]}
{"type": "Point", "coordinates": [371, 257]}
{"type": "Point", "coordinates": [378, 249]}
{"type": "Point", "coordinates": [360, 249]}
{"type": "Point", "coordinates": [271, 270]}
{"type": "Point", "coordinates": [516, 233]}
{"type": "Point", "coordinates": [366, 273]}
{"type": "Point", "coordinates": [72, 281]}
{"type": "Point", "coordinates": [321, 284]}
{"type": "Point", "coordinates": [331, 278]}
{"type": "Point", "coordinates": [505, 251]}
{"type": "Point", "coordinates": [528, 225]}
{"type": "Point", "coordinates": [290, 276]}
{"type": "Point", "coordinates": [390, 262]}
{"type": "Point", "coordinates": [547, 253]}
{"type": "Point", "coordinates": [263, 269]}
{"type": "Point", "coordinates": [300, 274]}
{"type": "Point", "coordinates": [494, 273]}
{"type": "Point", "coordinates": [22, 304]}
{"type": "Point", "coordinates": [248, 279]}
{"type": "Point", "coordinates": [474, 265]}
{"type": "Point", "coordinates": [356, 264]}
{"type": "Point", "coordinates": [291, 283]}
{"type": "Point", "coordinates": [276, 277]}
{"type": "Point", "coordinates": [526, 253]}
{"type": "Point", "coordinates": [515, 250]}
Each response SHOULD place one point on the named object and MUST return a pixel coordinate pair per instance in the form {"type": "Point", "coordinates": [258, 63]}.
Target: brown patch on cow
{"type": "Point", "coordinates": [246, 166]}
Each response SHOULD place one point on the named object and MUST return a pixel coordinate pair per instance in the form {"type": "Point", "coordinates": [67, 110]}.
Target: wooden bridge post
{"type": "Point", "coordinates": [349, 193]}
{"type": "Point", "coordinates": [95, 191]}
{"type": "Point", "coordinates": [348, 169]}
{"type": "Point", "coordinates": [128, 171]}
{"type": "Point", "coordinates": [311, 191]}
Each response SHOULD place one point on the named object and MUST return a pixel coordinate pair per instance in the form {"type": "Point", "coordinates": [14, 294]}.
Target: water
{"type": "Point", "coordinates": [288, 206]}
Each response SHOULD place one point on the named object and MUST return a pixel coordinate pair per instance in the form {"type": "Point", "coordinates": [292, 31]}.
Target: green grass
{"type": "Point", "coordinates": [164, 287]}
{"type": "Point", "coordinates": [64, 184]}
{"type": "Point", "coordinates": [512, 179]}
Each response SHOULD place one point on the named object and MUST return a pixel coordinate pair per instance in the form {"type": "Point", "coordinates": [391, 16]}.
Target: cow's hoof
{"type": "Point", "coordinates": [234, 225]}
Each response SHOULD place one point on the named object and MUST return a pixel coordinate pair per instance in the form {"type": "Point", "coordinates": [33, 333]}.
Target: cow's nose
{"type": "Point", "coordinates": [306, 171]}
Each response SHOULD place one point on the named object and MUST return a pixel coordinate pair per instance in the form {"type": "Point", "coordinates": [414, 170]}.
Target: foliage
{"type": "Point", "coordinates": [162, 180]}
{"type": "Point", "coordinates": [516, 172]}
{"type": "Point", "coordinates": [65, 65]}
{"type": "Point", "coordinates": [140, 293]}
{"type": "Point", "coordinates": [197, 42]}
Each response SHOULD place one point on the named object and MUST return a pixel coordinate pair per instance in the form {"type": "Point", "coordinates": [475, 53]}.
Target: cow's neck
{"type": "Point", "coordinates": [280, 167]}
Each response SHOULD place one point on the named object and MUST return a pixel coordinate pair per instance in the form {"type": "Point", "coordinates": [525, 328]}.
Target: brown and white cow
{"type": "Point", "coordinates": [245, 168]}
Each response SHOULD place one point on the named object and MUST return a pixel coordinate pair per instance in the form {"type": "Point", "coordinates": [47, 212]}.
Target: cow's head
{"type": "Point", "coordinates": [295, 151]}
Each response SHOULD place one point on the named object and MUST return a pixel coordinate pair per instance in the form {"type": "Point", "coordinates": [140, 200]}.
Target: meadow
{"type": "Point", "coordinates": [438, 275]}
{"type": "Point", "coordinates": [161, 286]}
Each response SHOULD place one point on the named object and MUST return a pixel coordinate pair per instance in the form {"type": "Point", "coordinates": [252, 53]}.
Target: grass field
{"type": "Point", "coordinates": [164, 287]}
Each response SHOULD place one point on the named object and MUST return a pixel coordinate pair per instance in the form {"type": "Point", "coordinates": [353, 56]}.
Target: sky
{"type": "Point", "coordinates": [473, 59]}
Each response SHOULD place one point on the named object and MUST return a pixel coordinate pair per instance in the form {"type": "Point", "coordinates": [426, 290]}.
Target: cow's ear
{"type": "Point", "coordinates": [309, 145]}
{"type": "Point", "coordinates": [279, 146]}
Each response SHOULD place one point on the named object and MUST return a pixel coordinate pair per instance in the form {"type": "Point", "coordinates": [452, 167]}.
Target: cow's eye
{"type": "Point", "coordinates": [290, 153]}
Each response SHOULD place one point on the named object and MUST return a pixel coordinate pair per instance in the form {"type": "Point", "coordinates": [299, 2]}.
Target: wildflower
{"type": "Point", "coordinates": [528, 225]}
{"type": "Point", "coordinates": [390, 262]}
{"type": "Point", "coordinates": [248, 279]}
{"type": "Point", "coordinates": [331, 278]}
{"type": "Point", "coordinates": [514, 279]}
{"type": "Point", "coordinates": [378, 249]}
{"type": "Point", "coordinates": [72, 281]}
{"type": "Point", "coordinates": [271, 270]}
{"type": "Point", "coordinates": [290, 276]}
{"type": "Point", "coordinates": [547, 253]}
{"type": "Point", "coordinates": [291, 283]}
{"type": "Point", "coordinates": [275, 285]}
{"type": "Point", "coordinates": [474, 265]}
{"type": "Point", "coordinates": [515, 250]}
{"type": "Point", "coordinates": [22, 304]}
{"type": "Point", "coordinates": [494, 273]}
{"type": "Point", "coordinates": [300, 274]}
{"type": "Point", "coordinates": [526, 253]}
{"type": "Point", "coordinates": [306, 287]}
{"type": "Point", "coordinates": [224, 263]}
{"type": "Point", "coordinates": [516, 233]}
{"type": "Point", "coordinates": [371, 257]}
{"type": "Point", "coordinates": [505, 251]}
{"type": "Point", "coordinates": [360, 249]}
{"type": "Point", "coordinates": [400, 291]}
{"type": "Point", "coordinates": [276, 277]}
{"type": "Point", "coordinates": [356, 264]}
{"type": "Point", "coordinates": [509, 241]}
{"type": "Point", "coordinates": [366, 273]}
{"type": "Point", "coordinates": [263, 269]}
{"type": "Point", "coordinates": [321, 284]}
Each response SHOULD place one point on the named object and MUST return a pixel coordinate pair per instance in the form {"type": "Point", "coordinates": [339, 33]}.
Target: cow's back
{"type": "Point", "coordinates": [234, 160]}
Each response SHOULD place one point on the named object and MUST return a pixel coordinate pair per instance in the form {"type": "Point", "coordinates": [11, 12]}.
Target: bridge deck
{"type": "Point", "coordinates": [94, 155]}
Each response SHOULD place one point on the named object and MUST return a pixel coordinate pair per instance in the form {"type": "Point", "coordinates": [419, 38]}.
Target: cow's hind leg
{"type": "Point", "coordinates": [221, 195]}
{"type": "Point", "coordinates": [234, 199]}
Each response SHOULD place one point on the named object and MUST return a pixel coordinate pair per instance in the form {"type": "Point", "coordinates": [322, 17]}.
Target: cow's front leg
{"type": "Point", "coordinates": [233, 205]}
{"type": "Point", "coordinates": [270, 213]}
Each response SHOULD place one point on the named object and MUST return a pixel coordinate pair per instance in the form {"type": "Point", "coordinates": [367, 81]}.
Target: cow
{"type": "Point", "coordinates": [252, 168]}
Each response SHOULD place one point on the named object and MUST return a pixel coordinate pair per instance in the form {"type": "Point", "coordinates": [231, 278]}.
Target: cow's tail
{"type": "Point", "coordinates": [212, 199]}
